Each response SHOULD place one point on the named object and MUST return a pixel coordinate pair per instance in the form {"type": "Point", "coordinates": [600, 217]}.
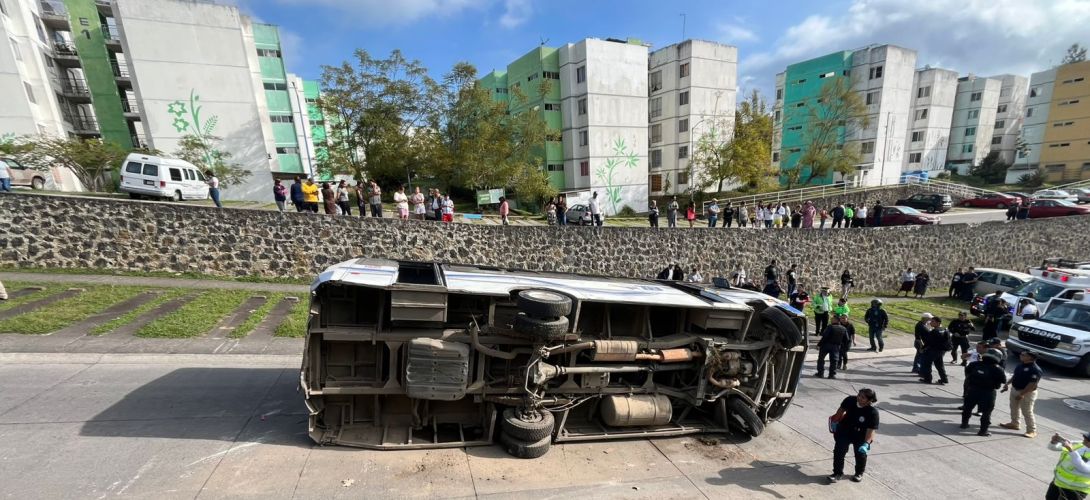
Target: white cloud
{"type": "Point", "coordinates": [399, 12]}
{"type": "Point", "coordinates": [515, 13]}
{"type": "Point", "coordinates": [735, 32]}
{"type": "Point", "coordinates": [983, 37]}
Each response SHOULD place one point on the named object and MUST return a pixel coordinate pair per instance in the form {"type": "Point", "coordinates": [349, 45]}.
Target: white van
{"type": "Point", "coordinates": [1051, 285]}
{"type": "Point", "coordinates": [1060, 336]}
{"type": "Point", "coordinates": [156, 177]}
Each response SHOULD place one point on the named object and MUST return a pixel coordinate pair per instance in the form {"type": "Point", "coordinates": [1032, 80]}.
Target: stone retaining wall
{"type": "Point", "coordinates": [56, 231]}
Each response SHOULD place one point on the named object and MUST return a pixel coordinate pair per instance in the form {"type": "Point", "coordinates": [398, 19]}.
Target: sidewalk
{"type": "Point", "coordinates": [105, 279]}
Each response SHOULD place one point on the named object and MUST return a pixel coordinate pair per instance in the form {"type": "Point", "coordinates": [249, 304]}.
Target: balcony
{"type": "Point", "coordinates": [65, 54]}
{"type": "Point", "coordinates": [131, 109]}
{"type": "Point", "coordinates": [112, 37]}
{"type": "Point", "coordinates": [105, 7]}
{"type": "Point", "coordinates": [54, 14]}
{"type": "Point", "coordinates": [82, 125]}
{"type": "Point", "coordinates": [74, 89]}
{"type": "Point", "coordinates": [139, 142]}
{"type": "Point", "coordinates": [121, 74]}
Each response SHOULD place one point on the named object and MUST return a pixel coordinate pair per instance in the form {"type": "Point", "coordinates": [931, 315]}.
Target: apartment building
{"type": "Point", "coordinates": [1057, 125]}
{"type": "Point", "coordinates": [1009, 115]}
{"type": "Point", "coordinates": [692, 94]}
{"type": "Point", "coordinates": [145, 73]}
{"type": "Point", "coordinates": [974, 122]}
{"type": "Point", "coordinates": [310, 132]}
{"type": "Point", "coordinates": [883, 75]}
{"type": "Point", "coordinates": [930, 115]}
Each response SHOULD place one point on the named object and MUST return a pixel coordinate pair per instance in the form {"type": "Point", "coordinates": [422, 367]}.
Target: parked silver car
{"type": "Point", "coordinates": [1002, 280]}
{"type": "Point", "coordinates": [1055, 194]}
{"type": "Point", "coordinates": [1083, 194]}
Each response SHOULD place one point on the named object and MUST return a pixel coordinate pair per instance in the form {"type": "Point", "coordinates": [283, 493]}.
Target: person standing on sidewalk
{"type": "Point", "coordinates": [653, 214]}
{"type": "Point", "coordinates": [955, 284]}
{"type": "Point", "coordinates": [959, 335]}
{"type": "Point", "coordinates": [5, 177]}
{"type": "Point", "coordinates": [877, 322]}
{"type": "Point", "coordinates": [841, 308]}
{"type": "Point", "coordinates": [671, 212]}
{"type": "Point", "coordinates": [213, 187]}
{"type": "Point", "coordinates": [376, 200]}
{"type": "Point", "coordinates": [982, 379]}
{"type": "Point", "coordinates": [849, 341]}
{"type": "Point", "coordinates": [728, 215]}
{"type": "Point", "coordinates": [832, 338]}
{"type": "Point", "coordinates": [822, 306]}
{"type": "Point", "coordinates": [1072, 477]}
{"type": "Point", "coordinates": [505, 211]}
{"type": "Point", "coordinates": [280, 195]}
{"type": "Point", "coordinates": [297, 194]}
{"type": "Point", "coordinates": [935, 345]}
{"type": "Point", "coordinates": [792, 280]}
{"type": "Point", "coordinates": [743, 215]}
{"type": "Point", "coordinates": [919, 332]}
{"type": "Point", "coordinates": [1024, 396]}
{"type": "Point", "coordinates": [595, 210]}
{"type": "Point", "coordinates": [713, 213]}
{"type": "Point", "coordinates": [846, 283]}
{"type": "Point", "coordinates": [854, 425]}
{"type": "Point", "coordinates": [420, 212]}
{"type": "Point", "coordinates": [342, 198]}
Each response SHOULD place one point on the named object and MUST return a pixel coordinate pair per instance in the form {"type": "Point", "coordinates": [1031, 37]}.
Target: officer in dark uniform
{"type": "Point", "coordinates": [935, 344]}
{"type": "Point", "coordinates": [982, 379]}
{"type": "Point", "coordinates": [832, 338]}
{"type": "Point", "coordinates": [849, 341]}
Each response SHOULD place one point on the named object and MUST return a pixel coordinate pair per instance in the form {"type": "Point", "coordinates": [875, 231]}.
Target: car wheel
{"type": "Point", "coordinates": [177, 196]}
{"type": "Point", "coordinates": [1001, 206]}
{"type": "Point", "coordinates": [134, 196]}
{"type": "Point", "coordinates": [1083, 367]}
{"type": "Point", "coordinates": [740, 415]}
{"type": "Point", "coordinates": [966, 204]}
{"type": "Point", "coordinates": [525, 449]}
{"type": "Point", "coordinates": [541, 328]}
{"type": "Point", "coordinates": [543, 304]}
{"type": "Point", "coordinates": [531, 426]}
{"type": "Point", "coordinates": [787, 333]}
{"type": "Point", "coordinates": [37, 183]}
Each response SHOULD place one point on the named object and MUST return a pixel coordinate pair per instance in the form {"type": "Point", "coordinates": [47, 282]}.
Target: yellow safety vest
{"type": "Point", "coordinates": [1066, 475]}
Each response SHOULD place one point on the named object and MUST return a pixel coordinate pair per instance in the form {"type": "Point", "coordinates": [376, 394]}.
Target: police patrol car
{"type": "Point", "coordinates": [1060, 336]}
{"type": "Point", "coordinates": [1055, 281]}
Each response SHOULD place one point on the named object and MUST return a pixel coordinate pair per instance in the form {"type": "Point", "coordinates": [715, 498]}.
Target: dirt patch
{"type": "Point", "coordinates": [713, 448]}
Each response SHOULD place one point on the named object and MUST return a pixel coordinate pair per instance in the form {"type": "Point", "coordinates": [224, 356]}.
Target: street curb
{"type": "Point", "coordinates": [264, 360]}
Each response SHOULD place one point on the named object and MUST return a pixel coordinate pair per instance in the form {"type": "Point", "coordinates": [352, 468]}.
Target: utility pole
{"type": "Point", "coordinates": [683, 18]}
{"type": "Point", "coordinates": [885, 150]}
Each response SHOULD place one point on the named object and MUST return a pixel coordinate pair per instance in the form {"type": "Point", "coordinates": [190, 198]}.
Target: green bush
{"type": "Point", "coordinates": [1033, 180]}
{"type": "Point", "coordinates": [627, 211]}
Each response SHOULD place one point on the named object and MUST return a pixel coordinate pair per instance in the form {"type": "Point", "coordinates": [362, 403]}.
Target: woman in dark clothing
{"type": "Point", "coordinates": [922, 281]}
{"type": "Point", "coordinates": [329, 198]}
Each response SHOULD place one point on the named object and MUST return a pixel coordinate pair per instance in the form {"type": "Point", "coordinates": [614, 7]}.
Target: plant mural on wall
{"type": "Point", "coordinates": [611, 172]}
{"type": "Point", "coordinates": [187, 119]}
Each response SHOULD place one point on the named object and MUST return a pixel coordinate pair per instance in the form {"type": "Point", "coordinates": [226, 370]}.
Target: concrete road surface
{"type": "Point", "coordinates": [233, 426]}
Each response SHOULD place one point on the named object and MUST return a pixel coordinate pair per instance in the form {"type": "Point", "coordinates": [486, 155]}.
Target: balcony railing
{"type": "Point", "coordinates": [64, 49]}
{"type": "Point", "coordinates": [54, 11]}
{"type": "Point", "coordinates": [138, 141]}
{"type": "Point", "coordinates": [120, 70]}
{"type": "Point", "coordinates": [130, 106]}
{"type": "Point", "coordinates": [111, 34]}
{"type": "Point", "coordinates": [82, 124]}
{"type": "Point", "coordinates": [74, 87]}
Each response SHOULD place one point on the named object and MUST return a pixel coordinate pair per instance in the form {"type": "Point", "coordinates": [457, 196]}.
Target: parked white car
{"type": "Point", "coordinates": [998, 280]}
{"type": "Point", "coordinates": [157, 177]}
{"type": "Point", "coordinates": [1055, 194]}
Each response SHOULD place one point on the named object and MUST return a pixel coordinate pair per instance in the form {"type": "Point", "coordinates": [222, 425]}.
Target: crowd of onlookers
{"type": "Point", "coordinates": [770, 215]}
{"type": "Point", "coordinates": [334, 198]}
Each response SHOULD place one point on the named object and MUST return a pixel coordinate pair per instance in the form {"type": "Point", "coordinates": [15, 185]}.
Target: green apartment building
{"type": "Point", "coordinates": [526, 74]}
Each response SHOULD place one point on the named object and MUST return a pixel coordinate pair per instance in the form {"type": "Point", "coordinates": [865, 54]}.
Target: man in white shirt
{"type": "Point", "coordinates": [861, 216]}
{"type": "Point", "coordinates": [5, 177]}
{"type": "Point", "coordinates": [595, 210]}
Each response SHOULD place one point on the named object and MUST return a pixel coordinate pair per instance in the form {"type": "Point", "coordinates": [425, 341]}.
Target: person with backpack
{"type": "Point", "coordinates": [877, 322]}
{"type": "Point", "coordinates": [935, 344]}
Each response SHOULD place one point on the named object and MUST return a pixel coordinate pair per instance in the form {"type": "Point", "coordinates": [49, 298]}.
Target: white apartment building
{"type": "Point", "coordinates": [692, 93]}
{"type": "Point", "coordinates": [930, 115]}
{"type": "Point", "coordinates": [1009, 115]}
{"type": "Point", "coordinates": [974, 122]}
{"type": "Point", "coordinates": [1037, 104]}
{"type": "Point", "coordinates": [883, 75]}
{"type": "Point", "coordinates": [604, 107]}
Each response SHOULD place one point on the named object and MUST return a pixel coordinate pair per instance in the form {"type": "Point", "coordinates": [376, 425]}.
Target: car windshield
{"type": "Point", "coordinates": [908, 210]}
{"type": "Point", "coordinates": [1064, 203]}
{"type": "Point", "coordinates": [1042, 291]}
{"type": "Point", "coordinates": [1070, 314]}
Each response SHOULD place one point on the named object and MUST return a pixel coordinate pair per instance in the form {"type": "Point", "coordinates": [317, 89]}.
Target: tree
{"type": "Point", "coordinates": [1075, 53]}
{"type": "Point", "coordinates": [90, 160]}
{"type": "Point", "coordinates": [746, 157]}
{"type": "Point", "coordinates": [485, 143]}
{"type": "Point", "coordinates": [992, 168]}
{"type": "Point", "coordinates": [381, 114]}
{"type": "Point", "coordinates": [838, 113]}
{"type": "Point", "coordinates": [205, 154]}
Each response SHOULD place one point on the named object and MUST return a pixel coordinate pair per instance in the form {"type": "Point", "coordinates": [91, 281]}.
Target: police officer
{"type": "Point", "coordinates": [959, 332]}
{"type": "Point", "coordinates": [849, 341]}
{"type": "Point", "coordinates": [855, 424]}
{"type": "Point", "coordinates": [877, 321]}
{"type": "Point", "coordinates": [982, 379]}
{"type": "Point", "coordinates": [1072, 476]}
{"type": "Point", "coordinates": [922, 329]}
{"type": "Point", "coordinates": [935, 345]}
{"type": "Point", "coordinates": [832, 338]}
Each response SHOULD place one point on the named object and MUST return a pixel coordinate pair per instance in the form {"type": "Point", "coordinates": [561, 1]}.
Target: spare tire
{"type": "Point", "coordinates": [740, 415]}
{"type": "Point", "coordinates": [541, 328]}
{"type": "Point", "coordinates": [787, 333]}
{"type": "Point", "coordinates": [539, 424]}
{"type": "Point", "coordinates": [525, 449]}
{"type": "Point", "coordinates": [543, 304]}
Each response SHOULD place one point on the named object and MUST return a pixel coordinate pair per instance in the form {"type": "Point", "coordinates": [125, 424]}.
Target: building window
{"type": "Point", "coordinates": [917, 136]}
{"type": "Point", "coordinates": [656, 182]}
{"type": "Point", "coordinates": [268, 53]}
{"type": "Point", "coordinates": [551, 75]}
{"type": "Point", "coordinates": [799, 105]}
{"type": "Point", "coordinates": [29, 93]}
{"type": "Point", "coordinates": [532, 77]}
{"type": "Point", "coordinates": [915, 157]}
{"type": "Point", "coordinates": [1033, 92]}
{"type": "Point", "coordinates": [801, 81]}
{"type": "Point", "coordinates": [776, 156]}
{"type": "Point", "coordinates": [872, 97]}
{"type": "Point", "coordinates": [1029, 112]}
{"type": "Point", "coordinates": [656, 158]}
{"type": "Point", "coordinates": [287, 150]}
{"type": "Point", "coordinates": [970, 131]}
{"type": "Point", "coordinates": [921, 114]}
{"type": "Point", "coordinates": [683, 125]}
{"type": "Point", "coordinates": [1069, 102]}
{"type": "Point", "coordinates": [876, 72]}
{"type": "Point", "coordinates": [794, 150]}
{"type": "Point", "coordinates": [1063, 124]}
{"type": "Point", "coordinates": [1000, 124]}
{"type": "Point", "coordinates": [1060, 145]}
{"type": "Point", "coordinates": [580, 74]}
{"type": "Point", "coordinates": [683, 177]}
{"type": "Point", "coordinates": [779, 94]}
{"type": "Point", "coordinates": [1055, 167]}
{"type": "Point", "coordinates": [549, 106]}
{"type": "Point", "coordinates": [275, 86]}
{"type": "Point", "coordinates": [3, 9]}
{"type": "Point", "coordinates": [683, 98]}
{"type": "Point", "coordinates": [555, 167]}
{"type": "Point", "coordinates": [683, 152]}
{"type": "Point", "coordinates": [923, 92]}
{"type": "Point", "coordinates": [975, 96]}
{"type": "Point", "coordinates": [281, 119]}
{"type": "Point", "coordinates": [795, 128]}
{"type": "Point", "coordinates": [776, 116]}
{"type": "Point", "coordinates": [18, 49]}
{"type": "Point", "coordinates": [867, 147]}
{"type": "Point", "coordinates": [656, 107]}
{"type": "Point", "coordinates": [655, 81]}
{"type": "Point", "coordinates": [1001, 109]}
{"type": "Point", "coordinates": [656, 133]}
{"type": "Point", "coordinates": [827, 75]}
{"type": "Point", "coordinates": [997, 140]}
{"type": "Point", "coordinates": [584, 169]}
{"type": "Point", "coordinates": [1073, 80]}
{"type": "Point", "coordinates": [968, 148]}
{"type": "Point", "coordinates": [684, 70]}
{"type": "Point", "coordinates": [974, 113]}
{"type": "Point", "coordinates": [583, 106]}
{"type": "Point", "coordinates": [501, 90]}
{"type": "Point", "coordinates": [584, 137]}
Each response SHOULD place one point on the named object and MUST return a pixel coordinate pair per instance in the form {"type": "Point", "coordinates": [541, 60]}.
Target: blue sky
{"type": "Point", "coordinates": [968, 36]}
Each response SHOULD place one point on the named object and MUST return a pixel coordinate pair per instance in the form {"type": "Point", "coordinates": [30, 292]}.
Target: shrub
{"type": "Point", "coordinates": [1036, 179]}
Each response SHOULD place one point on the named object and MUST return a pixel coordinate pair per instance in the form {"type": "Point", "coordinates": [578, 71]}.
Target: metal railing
{"type": "Point", "coordinates": [53, 10]}
{"type": "Point", "coordinates": [130, 106]}
{"type": "Point", "coordinates": [139, 141]}
{"type": "Point", "coordinates": [1085, 183]}
{"type": "Point", "coordinates": [110, 33]}
{"type": "Point", "coordinates": [120, 70]}
{"type": "Point", "coordinates": [950, 188]}
{"type": "Point", "coordinates": [85, 124]}
{"type": "Point", "coordinates": [64, 49]}
{"type": "Point", "coordinates": [74, 87]}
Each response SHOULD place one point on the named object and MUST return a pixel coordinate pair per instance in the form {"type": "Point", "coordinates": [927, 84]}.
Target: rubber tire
{"type": "Point", "coordinates": [37, 183]}
{"type": "Point", "coordinates": [177, 196]}
{"type": "Point", "coordinates": [786, 331]}
{"type": "Point", "coordinates": [525, 449]}
{"type": "Point", "coordinates": [1083, 368]}
{"type": "Point", "coordinates": [134, 196]}
{"type": "Point", "coordinates": [966, 204]}
{"type": "Point", "coordinates": [528, 431]}
{"type": "Point", "coordinates": [543, 328]}
{"type": "Point", "coordinates": [1001, 206]}
{"type": "Point", "coordinates": [543, 304]}
{"type": "Point", "coordinates": [744, 416]}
